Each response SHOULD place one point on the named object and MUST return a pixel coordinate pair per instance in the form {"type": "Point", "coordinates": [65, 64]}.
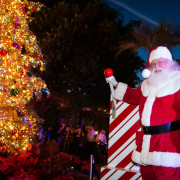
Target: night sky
{"type": "Point", "coordinates": [151, 12]}
{"type": "Point", "coordinates": [148, 10]}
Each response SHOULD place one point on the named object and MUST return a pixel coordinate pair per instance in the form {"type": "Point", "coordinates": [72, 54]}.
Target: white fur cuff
{"type": "Point", "coordinates": [166, 159]}
{"type": "Point", "coordinates": [120, 91]}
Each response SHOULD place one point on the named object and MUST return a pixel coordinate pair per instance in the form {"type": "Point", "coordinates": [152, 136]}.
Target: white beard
{"type": "Point", "coordinates": [156, 79]}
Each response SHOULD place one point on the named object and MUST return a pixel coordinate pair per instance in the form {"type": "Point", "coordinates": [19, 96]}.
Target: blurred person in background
{"type": "Point", "coordinates": [61, 135]}
{"type": "Point", "coordinates": [49, 135]}
{"type": "Point", "coordinates": [72, 140]}
{"type": "Point", "coordinates": [101, 137]}
{"type": "Point", "coordinates": [67, 137]}
{"type": "Point", "coordinates": [40, 132]}
{"type": "Point", "coordinates": [91, 144]}
{"type": "Point", "coordinates": [77, 141]}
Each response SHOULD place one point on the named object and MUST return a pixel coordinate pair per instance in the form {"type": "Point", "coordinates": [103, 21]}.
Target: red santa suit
{"type": "Point", "coordinates": [157, 106]}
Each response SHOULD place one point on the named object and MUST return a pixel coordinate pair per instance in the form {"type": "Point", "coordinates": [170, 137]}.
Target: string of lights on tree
{"type": "Point", "coordinates": [19, 53]}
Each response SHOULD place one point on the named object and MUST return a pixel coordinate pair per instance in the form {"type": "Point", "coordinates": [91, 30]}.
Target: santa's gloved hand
{"type": "Point", "coordinates": [112, 80]}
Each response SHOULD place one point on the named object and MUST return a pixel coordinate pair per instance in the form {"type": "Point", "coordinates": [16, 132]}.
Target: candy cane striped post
{"type": "Point", "coordinates": [122, 132]}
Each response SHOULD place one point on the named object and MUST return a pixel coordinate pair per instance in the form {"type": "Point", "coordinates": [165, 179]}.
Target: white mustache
{"type": "Point", "coordinates": [159, 69]}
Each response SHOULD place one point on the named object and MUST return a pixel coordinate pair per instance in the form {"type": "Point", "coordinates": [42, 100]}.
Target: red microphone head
{"type": "Point", "coordinates": [108, 72]}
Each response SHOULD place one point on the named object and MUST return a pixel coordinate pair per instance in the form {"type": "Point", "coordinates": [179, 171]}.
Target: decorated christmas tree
{"type": "Point", "coordinates": [19, 53]}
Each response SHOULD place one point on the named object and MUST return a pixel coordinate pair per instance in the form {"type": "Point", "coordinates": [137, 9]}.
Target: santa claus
{"type": "Point", "coordinates": [158, 143]}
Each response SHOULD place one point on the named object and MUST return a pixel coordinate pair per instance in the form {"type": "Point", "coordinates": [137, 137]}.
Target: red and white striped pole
{"type": "Point", "coordinates": [121, 140]}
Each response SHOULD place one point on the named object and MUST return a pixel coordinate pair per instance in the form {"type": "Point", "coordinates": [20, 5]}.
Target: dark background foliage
{"type": "Point", "coordinates": [79, 40]}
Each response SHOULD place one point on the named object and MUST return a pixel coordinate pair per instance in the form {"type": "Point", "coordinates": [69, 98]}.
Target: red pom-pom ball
{"type": "Point", "coordinates": [108, 72]}
{"type": "Point", "coordinates": [3, 53]}
{"type": "Point", "coordinates": [24, 9]}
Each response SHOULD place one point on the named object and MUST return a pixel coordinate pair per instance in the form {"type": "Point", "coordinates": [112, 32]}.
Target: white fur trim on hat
{"type": "Point", "coordinates": [160, 52]}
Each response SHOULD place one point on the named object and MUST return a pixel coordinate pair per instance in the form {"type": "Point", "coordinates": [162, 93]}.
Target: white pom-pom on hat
{"type": "Point", "coordinates": [146, 73]}
{"type": "Point", "coordinates": [159, 52]}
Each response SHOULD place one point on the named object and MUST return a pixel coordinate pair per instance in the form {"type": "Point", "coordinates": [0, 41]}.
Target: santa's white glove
{"type": "Point", "coordinates": [112, 80]}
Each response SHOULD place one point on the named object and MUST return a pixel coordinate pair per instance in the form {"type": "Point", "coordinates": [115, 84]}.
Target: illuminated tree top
{"type": "Point", "coordinates": [19, 52]}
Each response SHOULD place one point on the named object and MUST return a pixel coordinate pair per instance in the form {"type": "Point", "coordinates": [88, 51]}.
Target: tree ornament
{"type": "Point", "coordinates": [39, 57]}
{"type": "Point", "coordinates": [16, 45]}
{"type": "Point", "coordinates": [21, 72]}
{"type": "Point", "coordinates": [16, 21]}
{"type": "Point", "coordinates": [24, 9]}
{"type": "Point", "coordinates": [3, 52]}
{"type": "Point", "coordinates": [25, 67]}
{"type": "Point", "coordinates": [14, 92]}
{"type": "Point", "coordinates": [108, 72]}
{"type": "Point", "coordinates": [8, 7]}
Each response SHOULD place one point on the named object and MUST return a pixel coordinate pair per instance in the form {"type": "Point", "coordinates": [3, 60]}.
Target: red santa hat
{"type": "Point", "coordinates": [159, 52]}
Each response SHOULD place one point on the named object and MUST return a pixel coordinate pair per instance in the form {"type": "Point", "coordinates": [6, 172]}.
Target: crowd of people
{"type": "Point", "coordinates": [77, 141]}
{"type": "Point", "coordinates": [80, 142]}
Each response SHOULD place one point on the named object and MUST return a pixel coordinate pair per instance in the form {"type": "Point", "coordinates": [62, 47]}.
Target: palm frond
{"type": "Point", "coordinates": [148, 38]}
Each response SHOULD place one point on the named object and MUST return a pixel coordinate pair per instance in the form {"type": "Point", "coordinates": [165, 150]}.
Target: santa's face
{"type": "Point", "coordinates": [158, 65]}
{"type": "Point", "coordinates": [160, 69]}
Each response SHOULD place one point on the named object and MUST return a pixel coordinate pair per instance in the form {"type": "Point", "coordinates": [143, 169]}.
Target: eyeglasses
{"type": "Point", "coordinates": [160, 63]}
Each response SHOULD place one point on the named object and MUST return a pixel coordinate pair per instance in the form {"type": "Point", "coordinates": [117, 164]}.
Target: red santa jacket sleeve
{"type": "Point", "coordinates": [128, 94]}
{"type": "Point", "coordinates": [132, 96]}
